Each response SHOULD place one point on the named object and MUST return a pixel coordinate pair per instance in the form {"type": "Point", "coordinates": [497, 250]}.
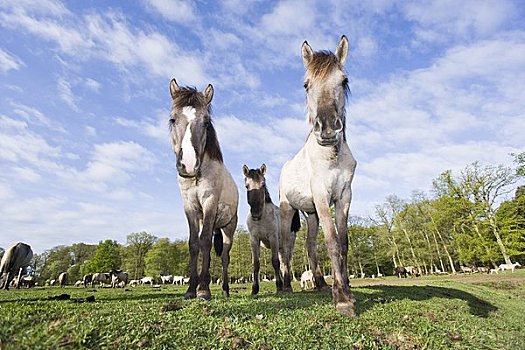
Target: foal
{"type": "Point", "coordinates": [263, 223]}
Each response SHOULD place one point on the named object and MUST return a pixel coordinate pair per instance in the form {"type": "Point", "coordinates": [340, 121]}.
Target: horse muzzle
{"type": "Point", "coordinates": [181, 169]}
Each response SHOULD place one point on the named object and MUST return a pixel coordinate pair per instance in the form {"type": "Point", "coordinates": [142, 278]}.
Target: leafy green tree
{"type": "Point", "coordinates": [162, 259]}
{"type": "Point", "coordinates": [54, 262]}
{"type": "Point", "coordinates": [511, 219]}
{"type": "Point", "coordinates": [106, 257]}
{"type": "Point", "coordinates": [133, 254]}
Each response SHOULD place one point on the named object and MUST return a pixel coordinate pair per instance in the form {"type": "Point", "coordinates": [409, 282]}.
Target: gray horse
{"type": "Point", "coordinates": [263, 223]}
{"type": "Point", "coordinates": [208, 191]}
{"type": "Point", "coordinates": [16, 258]}
{"type": "Point", "coordinates": [321, 174]}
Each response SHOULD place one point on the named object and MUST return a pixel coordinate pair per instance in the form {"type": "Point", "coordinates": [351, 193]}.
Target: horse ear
{"type": "Point", "coordinates": [307, 53]}
{"type": "Point", "coordinates": [245, 170]}
{"type": "Point", "coordinates": [208, 93]}
{"type": "Point", "coordinates": [263, 169]}
{"type": "Point", "coordinates": [342, 50]}
{"type": "Point", "coordinates": [174, 88]}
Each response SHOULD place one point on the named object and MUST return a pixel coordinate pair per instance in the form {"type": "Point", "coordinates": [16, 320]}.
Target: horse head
{"type": "Point", "coordinates": [256, 190]}
{"type": "Point", "coordinates": [192, 132]}
{"type": "Point", "coordinates": [326, 86]}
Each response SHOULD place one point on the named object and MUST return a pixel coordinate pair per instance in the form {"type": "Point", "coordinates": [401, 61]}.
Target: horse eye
{"type": "Point", "coordinates": [345, 81]}
{"type": "Point", "coordinates": [306, 85]}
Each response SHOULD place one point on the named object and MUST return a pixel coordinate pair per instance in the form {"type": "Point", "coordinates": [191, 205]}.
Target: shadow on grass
{"type": "Point", "coordinates": [272, 303]}
{"type": "Point", "coordinates": [478, 307]}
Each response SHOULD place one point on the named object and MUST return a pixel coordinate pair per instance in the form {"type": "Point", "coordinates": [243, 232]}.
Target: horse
{"type": "Point", "coordinates": [510, 266]}
{"type": "Point", "coordinates": [307, 278]}
{"type": "Point", "coordinates": [263, 223]}
{"type": "Point", "coordinates": [15, 259]}
{"type": "Point", "coordinates": [62, 279]}
{"type": "Point", "coordinates": [118, 277]}
{"type": "Point", "coordinates": [321, 173]}
{"type": "Point", "coordinates": [207, 188]}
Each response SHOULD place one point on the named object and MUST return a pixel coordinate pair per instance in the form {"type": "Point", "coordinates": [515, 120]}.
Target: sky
{"type": "Point", "coordinates": [85, 152]}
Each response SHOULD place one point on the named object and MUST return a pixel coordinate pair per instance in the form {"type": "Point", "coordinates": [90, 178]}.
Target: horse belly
{"type": "Point", "coordinates": [225, 214]}
{"type": "Point", "coordinates": [295, 187]}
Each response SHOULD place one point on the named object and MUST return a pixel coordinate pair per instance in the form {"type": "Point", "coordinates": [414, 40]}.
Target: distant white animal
{"type": "Point", "coordinates": [511, 267]}
{"type": "Point", "coordinates": [16, 258]}
{"type": "Point", "coordinates": [134, 283]}
{"type": "Point", "coordinates": [494, 271]}
{"type": "Point", "coordinates": [166, 279]}
{"type": "Point", "coordinates": [79, 283]}
{"type": "Point", "coordinates": [307, 277]}
{"type": "Point", "coordinates": [178, 280]}
{"type": "Point", "coordinates": [147, 280]}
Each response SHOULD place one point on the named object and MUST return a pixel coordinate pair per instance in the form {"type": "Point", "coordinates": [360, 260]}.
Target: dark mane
{"type": "Point", "coordinates": [268, 199]}
{"type": "Point", "coordinates": [189, 96]}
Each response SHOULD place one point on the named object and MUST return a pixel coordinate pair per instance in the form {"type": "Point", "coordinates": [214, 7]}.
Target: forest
{"type": "Point", "coordinates": [473, 218]}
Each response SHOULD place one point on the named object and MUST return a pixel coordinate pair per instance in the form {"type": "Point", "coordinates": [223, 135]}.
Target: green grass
{"type": "Point", "coordinates": [443, 313]}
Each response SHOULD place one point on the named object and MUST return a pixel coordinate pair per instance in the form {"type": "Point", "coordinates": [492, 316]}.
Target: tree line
{"type": "Point", "coordinates": [464, 220]}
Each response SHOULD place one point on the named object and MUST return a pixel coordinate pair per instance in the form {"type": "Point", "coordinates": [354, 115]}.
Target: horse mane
{"type": "Point", "coordinates": [190, 96]}
{"type": "Point", "coordinates": [267, 197]}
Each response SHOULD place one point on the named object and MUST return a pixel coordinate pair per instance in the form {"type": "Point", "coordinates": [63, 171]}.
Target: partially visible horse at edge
{"type": "Point", "coordinates": [320, 175]}
{"type": "Point", "coordinates": [263, 223]}
{"type": "Point", "coordinates": [208, 190]}
{"type": "Point", "coordinates": [14, 261]}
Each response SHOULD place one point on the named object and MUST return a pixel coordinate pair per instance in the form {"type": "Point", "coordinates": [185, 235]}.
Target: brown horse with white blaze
{"type": "Point", "coordinates": [208, 191]}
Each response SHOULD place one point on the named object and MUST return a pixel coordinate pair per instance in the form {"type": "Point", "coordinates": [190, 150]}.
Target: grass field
{"type": "Point", "coordinates": [457, 312]}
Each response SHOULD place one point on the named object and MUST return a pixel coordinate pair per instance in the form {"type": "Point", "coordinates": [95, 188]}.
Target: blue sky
{"type": "Point", "coordinates": [84, 101]}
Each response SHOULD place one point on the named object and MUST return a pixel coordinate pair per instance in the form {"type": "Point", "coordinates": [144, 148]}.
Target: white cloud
{"type": "Point", "coordinates": [92, 84]}
{"type": "Point", "coordinates": [9, 62]}
{"type": "Point", "coordinates": [180, 11]}
{"type": "Point", "coordinates": [467, 19]}
{"type": "Point", "coordinates": [66, 94]}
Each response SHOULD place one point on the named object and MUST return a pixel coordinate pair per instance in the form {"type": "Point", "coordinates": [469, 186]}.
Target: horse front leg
{"type": "Point", "coordinates": [341, 219]}
{"type": "Point", "coordinates": [344, 302]}
{"type": "Point", "coordinates": [312, 222]}
{"type": "Point", "coordinates": [229, 231]}
{"type": "Point", "coordinates": [285, 246]}
{"type": "Point", "coordinates": [256, 250]}
{"type": "Point", "coordinates": [193, 244]}
{"type": "Point", "coordinates": [205, 241]}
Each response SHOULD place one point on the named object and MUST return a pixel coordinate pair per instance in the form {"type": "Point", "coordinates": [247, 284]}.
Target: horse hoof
{"type": "Point", "coordinates": [346, 308]}
{"type": "Point", "coordinates": [204, 295]}
{"type": "Point", "coordinates": [189, 295]}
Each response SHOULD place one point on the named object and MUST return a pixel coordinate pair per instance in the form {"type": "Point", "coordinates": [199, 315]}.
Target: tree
{"type": "Point", "coordinates": [106, 257]}
{"type": "Point", "coordinates": [511, 219]}
{"type": "Point", "coordinates": [137, 246]}
{"type": "Point", "coordinates": [162, 259]}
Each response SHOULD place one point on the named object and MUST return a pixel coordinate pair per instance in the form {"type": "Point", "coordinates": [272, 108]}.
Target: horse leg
{"type": "Point", "coordinates": [256, 250]}
{"type": "Point", "coordinates": [205, 240]}
{"type": "Point", "coordinates": [193, 243]}
{"type": "Point", "coordinates": [341, 219]}
{"type": "Point", "coordinates": [344, 301]}
{"type": "Point", "coordinates": [311, 241]}
{"type": "Point", "coordinates": [229, 231]}
{"type": "Point", "coordinates": [286, 213]}
{"type": "Point", "coordinates": [274, 246]}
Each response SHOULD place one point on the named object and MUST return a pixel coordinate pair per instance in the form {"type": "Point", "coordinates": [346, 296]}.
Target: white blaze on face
{"type": "Point", "coordinates": [189, 158]}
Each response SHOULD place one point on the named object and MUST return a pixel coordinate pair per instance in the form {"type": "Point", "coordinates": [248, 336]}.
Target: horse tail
{"type": "Point", "coordinates": [296, 222]}
{"type": "Point", "coordinates": [218, 242]}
